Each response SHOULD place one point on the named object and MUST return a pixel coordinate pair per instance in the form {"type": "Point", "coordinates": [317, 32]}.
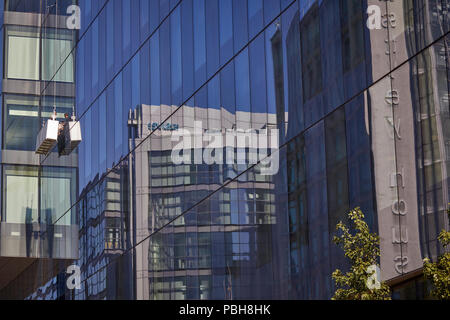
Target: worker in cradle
{"type": "Point", "coordinates": [63, 127]}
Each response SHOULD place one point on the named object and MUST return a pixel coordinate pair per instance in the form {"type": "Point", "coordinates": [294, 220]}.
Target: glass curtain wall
{"type": "Point", "coordinates": [227, 231]}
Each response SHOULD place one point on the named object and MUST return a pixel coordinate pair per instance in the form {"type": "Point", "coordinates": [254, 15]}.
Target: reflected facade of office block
{"type": "Point", "coordinates": [38, 62]}
{"type": "Point", "coordinates": [222, 246]}
{"type": "Point", "coordinates": [362, 116]}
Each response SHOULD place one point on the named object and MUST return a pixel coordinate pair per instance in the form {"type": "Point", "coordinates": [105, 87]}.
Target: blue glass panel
{"type": "Point", "coordinates": [212, 37]}
{"type": "Point", "coordinates": [199, 42]}
{"type": "Point", "coordinates": [226, 30]}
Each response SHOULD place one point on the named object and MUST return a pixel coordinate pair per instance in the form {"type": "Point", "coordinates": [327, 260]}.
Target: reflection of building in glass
{"type": "Point", "coordinates": [352, 150]}
{"type": "Point", "coordinates": [103, 243]}
{"type": "Point", "coordinates": [38, 233]}
{"type": "Point", "coordinates": [428, 84]}
{"type": "Point", "coordinates": [103, 238]}
{"type": "Point", "coordinates": [317, 160]}
{"type": "Point", "coordinates": [216, 249]}
{"type": "Point", "coordinates": [363, 118]}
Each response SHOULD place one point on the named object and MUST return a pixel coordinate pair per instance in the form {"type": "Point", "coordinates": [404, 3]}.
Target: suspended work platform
{"type": "Point", "coordinates": [47, 137]}
{"type": "Point", "coordinates": [65, 134]}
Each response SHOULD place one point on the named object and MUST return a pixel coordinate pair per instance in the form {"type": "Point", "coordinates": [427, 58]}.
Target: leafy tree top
{"type": "Point", "coordinates": [439, 273]}
{"type": "Point", "coordinates": [362, 249]}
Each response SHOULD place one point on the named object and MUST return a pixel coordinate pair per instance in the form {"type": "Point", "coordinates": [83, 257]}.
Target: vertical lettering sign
{"type": "Point", "coordinates": [405, 231]}
{"type": "Point", "coordinates": [392, 135]}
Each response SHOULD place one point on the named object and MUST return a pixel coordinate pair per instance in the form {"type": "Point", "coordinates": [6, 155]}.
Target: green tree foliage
{"type": "Point", "coordinates": [439, 272]}
{"type": "Point", "coordinates": [362, 248]}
